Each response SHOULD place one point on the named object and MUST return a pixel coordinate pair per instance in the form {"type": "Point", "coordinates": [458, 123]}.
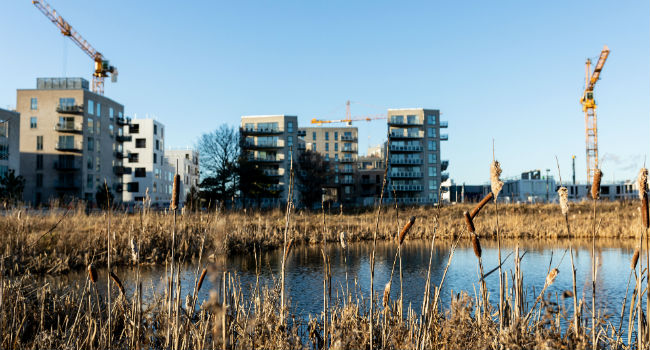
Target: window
{"type": "Point", "coordinates": [90, 181]}
{"type": "Point", "coordinates": [140, 143]}
{"type": "Point", "coordinates": [133, 187]}
{"type": "Point", "coordinates": [155, 129]}
{"type": "Point", "coordinates": [97, 164]}
{"type": "Point", "coordinates": [433, 171]}
{"type": "Point", "coordinates": [336, 157]}
{"type": "Point", "coordinates": [348, 189]}
{"type": "Point", "coordinates": [432, 158]}
{"type": "Point", "coordinates": [33, 122]}
{"type": "Point", "coordinates": [134, 128]}
{"type": "Point", "coordinates": [290, 141]}
{"type": "Point", "coordinates": [155, 158]}
{"type": "Point", "coordinates": [327, 146]}
{"type": "Point", "coordinates": [91, 126]}
{"type": "Point", "coordinates": [134, 157]}
{"type": "Point", "coordinates": [162, 134]}
{"type": "Point", "coordinates": [91, 107]}
{"type": "Point", "coordinates": [39, 180]}
{"type": "Point", "coordinates": [336, 147]}
{"type": "Point", "coordinates": [39, 143]}
{"type": "Point", "coordinates": [4, 126]}
{"type": "Point", "coordinates": [313, 136]}
{"type": "Point", "coordinates": [99, 109]}
{"type": "Point", "coordinates": [327, 157]}
{"type": "Point", "coordinates": [91, 144]}
{"type": "Point", "coordinates": [431, 132]}
{"type": "Point", "coordinates": [90, 163]}
{"type": "Point", "coordinates": [411, 119]}
{"type": "Point", "coordinates": [4, 170]}
{"type": "Point", "coordinates": [432, 184]}
{"type": "Point", "coordinates": [327, 135]}
{"type": "Point", "coordinates": [98, 127]}
{"type": "Point", "coordinates": [110, 129]}
{"type": "Point", "coordinates": [336, 135]}
{"type": "Point", "coordinates": [4, 152]}
{"type": "Point", "coordinates": [140, 172]}
{"type": "Point", "coordinates": [110, 113]}
{"type": "Point", "coordinates": [432, 145]}
{"type": "Point", "coordinates": [157, 142]}
{"type": "Point", "coordinates": [289, 126]}
{"type": "Point", "coordinates": [39, 162]}
{"type": "Point", "coordinates": [431, 119]}
{"type": "Point", "coordinates": [34, 104]}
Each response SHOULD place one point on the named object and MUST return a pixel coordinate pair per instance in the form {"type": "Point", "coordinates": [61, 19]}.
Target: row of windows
{"type": "Point", "coordinates": [346, 135]}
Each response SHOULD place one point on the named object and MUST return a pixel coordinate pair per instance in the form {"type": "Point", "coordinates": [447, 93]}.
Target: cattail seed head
{"type": "Point", "coordinates": [567, 294]}
{"type": "Point", "coordinates": [635, 259]}
{"type": "Point", "coordinates": [406, 229]}
{"type": "Point", "coordinates": [286, 252]}
{"type": "Point", "coordinates": [550, 278]}
{"type": "Point", "coordinates": [203, 273]}
{"type": "Point", "coordinates": [595, 185]}
{"type": "Point", "coordinates": [134, 251]}
{"type": "Point", "coordinates": [117, 281]}
{"type": "Point", "coordinates": [92, 273]}
{"type": "Point", "coordinates": [476, 244]}
{"type": "Point", "coordinates": [342, 239]}
{"type": "Point", "coordinates": [495, 181]}
{"type": "Point", "coordinates": [386, 297]}
{"type": "Point", "coordinates": [642, 182]}
{"type": "Point", "coordinates": [564, 199]}
{"type": "Point", "coordinates": [176, 187]}
{"type": "Point", "coordinates": [481, 204]}
{"type": "Point", "coordinates": [469, 222]}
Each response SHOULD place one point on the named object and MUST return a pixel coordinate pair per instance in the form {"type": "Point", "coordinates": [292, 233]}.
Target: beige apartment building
{"type": "Point", "coordinates": [268, 141]}
{"type": "Point", "coordinates": [339, 146]}
{"type": "Point", "coordinates": [415, 168]}
{"type": "Point", "coordinates": [70, 141]}
{"type": "Point", "coordinates": [9, 142]}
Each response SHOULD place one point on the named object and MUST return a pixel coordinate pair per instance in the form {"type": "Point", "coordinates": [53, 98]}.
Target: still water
{"type": "Point", "coordinates": [305, 272]}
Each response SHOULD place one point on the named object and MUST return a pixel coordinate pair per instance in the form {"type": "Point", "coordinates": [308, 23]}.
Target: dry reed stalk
{"type": "Point", "coordinates": [286, 231]}
{"type": "Point", "coordinates": [642, 182]}
{"type": "Point", "coordinates": [481, 204]}
{"type": "Point", "coordinates": [108, 252]}
{"type": "Point", "coordinates": [287, 250]}
{"type": "Point", "coordinates": [595, 194]}
{"type": "Point", "coordinates": [203, 273]}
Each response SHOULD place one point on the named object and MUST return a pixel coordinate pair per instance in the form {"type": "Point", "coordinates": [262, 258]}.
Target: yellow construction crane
{"type": "Point", "coordinates": [589, 108]}
{"type": "Point", "coordinates": [348, 118]}
{"type": "Point", "coordinates": [102, 67]}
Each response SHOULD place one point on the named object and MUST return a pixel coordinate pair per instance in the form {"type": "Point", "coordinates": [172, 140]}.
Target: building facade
{"type": "Point", "coordinates": [339, 147]}
{"type": "Point", "coordinates": [70, 141]}
{"type": "Point", "coordinates": [268, 142]}
{"type": "Point", "coordinates": [151, 173]}
{"type": "Point", "coordinates": [9, 142]}
{"type": "Point", "coordinates": [187, 163]}
{"type": "Point", "coordinates": [415, 168]}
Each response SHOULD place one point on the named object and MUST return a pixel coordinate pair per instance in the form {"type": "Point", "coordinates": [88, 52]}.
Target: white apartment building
{"type": "Point", "coordinates": [187, 163]}
{"type": "Point", "coordinates": [144, 153]}
{"type": "Point", "coordinates": [9, 142]}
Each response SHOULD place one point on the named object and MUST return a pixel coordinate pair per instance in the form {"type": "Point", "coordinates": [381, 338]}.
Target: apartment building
{"type": "Point", "coordinates": [70, 140]}
{"type": "Point", "coordinates": [267, 141]}
{"type": "Point", "coordinates": [370, 178]}
{"type": "Point", "coordinates": [187, 162]}
{"type": "Point", "coordinates": [152, 173]}
{"type": "Point", "coordinates": [9, 142]}
{"type": "Point", "coordinates": [415, 168]}
{"type": "Point", "coordinates": [339, 146]}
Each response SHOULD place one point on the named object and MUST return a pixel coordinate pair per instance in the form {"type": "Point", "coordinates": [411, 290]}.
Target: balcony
{"type": "Point", "coordinates": [273, 172]}
{"type": "Point", "coordinates": [266, 159]}
{"type": "Point", "coordinates": [405, 135]}
{"type": "Point", "coordinates": [119, 188]}
{"type": "Point", "coordinates": [444, 137]}
{"type": "Point", "coordinates": [347, 181]}
{"type": "Point", "coordinates": [261, 131]}
{"type": "Point", "coordinates": [347, 160]}
{"type": "Point", "coordinates": [123, 138]}
{"type": "Point", "coordinates": [443, 165]}
{"type": "Point", "coordinates": [349, 149]}
{"type": "Point", "coordinates": [121, 170]}
{"type": "Point", "coordinates": [414, 148]}
{"type": "Point", "coordinates": [347, 170]}
{"type": "Point", "coordinates": [66, 186]}
{"type": "Point", "coordinates": [350, 138]}
{"type": "Point", "coordinates": [69, 147]}
{"type": "Point", "coordinates": [408, 188]}
{"type": "Point", "coordinates": [70, 109]}
{"type": "Point", "coordinates": [405, 174]}
{"type": "Point", "coordinates": [263, 145]}
{"type": "Point", "coordinates": [404, 122]}
{"type": "Point", "coordinates": [302, 133]}
{"type": "Point", "coordinates": [409, 161]}
{"type": "Point", "coordinates": [444, 124]}
{"type": "Point", "coordinates": [120, 155]}
{"type": "Point", "coordinates": [412, 200]}
{"type": "Point", "coordinates": [121, 121]}
{"type": "Point", "coordinates": [66, 166]}
{"type": "Point", "coordinates": [69, 128]}
{"type": "Point", "coordinates": [444, 177]}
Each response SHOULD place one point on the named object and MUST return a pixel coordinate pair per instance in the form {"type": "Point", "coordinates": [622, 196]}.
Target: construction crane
{"type": "Point", "coordinates": [102, 66]}
{"type": "Point", "coordinates": [589, 108]}
{"type": "Point", "coordinates": [348, 117]}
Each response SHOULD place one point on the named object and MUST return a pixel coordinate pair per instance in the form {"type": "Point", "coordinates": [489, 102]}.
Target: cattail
{"type": "Point", "coordinates": [635, 259]}
{"type": "Point", "coordinates": [203, 273]}
{"type": "Point", "coordinates": [476, 244]}
{"type": "Point", "coordinates": [342, 239]}
{"type": "Point", "coordinates": [176, 187]}
{"type": "Point", "coordinates": [117, 282]}
{"type": "Point", "coordinates": [567, 294]}
{"type": "Point", "coordinates": [469, 222]}
{"type": "Point", "coordinates": [564, 199]}
{"type": "Point", "coordinates": [595, 185]}
{"type": "Point", "coordinates": [642, 182]}
{"type": "Point", "coordinates": [550, 278]}
{"type": "Point", "coordinates": [481, 204]}
{"type": "Point", "coordinates": [286, 252]}
{"type": "Point", "coordinates": [495, 182]}
{"type": "Point", "coordinates": [134, 251]}
{"type": "Point", "coordinates": [92, 273]}
{"type": "Point", "coordinates": [386, 298]}
{"type": "Point", "coordinates": [406, 229]}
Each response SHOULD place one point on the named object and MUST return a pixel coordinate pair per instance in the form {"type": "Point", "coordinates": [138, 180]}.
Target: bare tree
{"type": "Point", "coordinates": [219, 151]}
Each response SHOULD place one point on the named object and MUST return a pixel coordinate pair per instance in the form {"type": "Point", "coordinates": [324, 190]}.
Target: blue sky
{"type": "Point", "coordinates": [508, 70]}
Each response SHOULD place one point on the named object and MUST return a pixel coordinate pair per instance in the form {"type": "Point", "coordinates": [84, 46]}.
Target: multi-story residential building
{"type": "Point", "coordinates": [187, 163]}
{"type": "Point", "coordinates": [339, 146]}
{"type": "Point", "coordinates": [144, 153]}
{"type": "Point", "coordinates": [415, 167]}
{"type": "Point", "coordinates": [370, 178]}
{"type": "Point", "coordinates": [9, 142]}
{"type": "Point", "coordinates": [70, 140]}
{"type": "Point", "coordinates": [268, 141]}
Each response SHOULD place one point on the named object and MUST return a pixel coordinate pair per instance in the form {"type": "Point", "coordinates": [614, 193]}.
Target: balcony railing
{"type": "Point", "coordinates": [70, 109]}
{"type": "Point", "coordinates": [404, 122]}
{"type": "Point", "coordinates": [69, 146]}
{"type": "Point", "coordinates": [348, 138]}
{"type": "Point", "coordinates": [412, 200]}
{"type": "Point", "coordinates": [121, 170]}
{"type": "Point", "coordinates": [444, 137]}
{"type": "Point", "coordinates": [347, 160]}
{"type": "Point", "coordinates": [259, 131]}
{"type": "Point", "coordinates": [408, 188]}
{"type": "Point", "coordinates": [258, 144]}
{"type": "Point", "coordinates": [405, 174]}
{"type": "Point", "coordinates": [444, 124]}
{"type": "Point", "coordinates": [69, 128]}
{"type": "Point", "coordinates": [413, 148]}
{"type": "Point", "coordinates": [123, 121]}
{"type": "Point", "coordinates": [347, 170]}
{"type": "Point", "coordinates": [347, 181]}
{"type": "Point", "coordinates": [349, 149]}
{"type": "Point", "coordinates": [406, 161]}
{"type": "Point", "coordinates": [266, 159]}
{"type": "Point", "coordinates": [123, 138]}
{"type": "Point", "coordinates": [273, 172]}
{"type": "Point", "coordinates": [406, 135]}
{"type": "Point", "coordinates": [66, 166]}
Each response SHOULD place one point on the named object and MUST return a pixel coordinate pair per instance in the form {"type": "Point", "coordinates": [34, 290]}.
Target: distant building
{"type": "Point", "coordinates": [627, 190]}
{"type": "Point", "coordinates": [9, 141]}
{"type": "Point", "coordinates": [370, 180]}
{"type": "Point", "coordinates": [148, 168]}
{"type": "Point", "coordinates": [415, 168]}
{"type": "Point", "coordinates": [70, 140]}
{"type": "Point", "coordinates": [187, 162]}
{"type": "Point", "coordinates": [267, 141]}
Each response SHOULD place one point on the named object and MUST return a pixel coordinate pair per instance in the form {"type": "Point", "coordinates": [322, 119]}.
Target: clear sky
{"type": "Point", "coordinates": [512, 71]}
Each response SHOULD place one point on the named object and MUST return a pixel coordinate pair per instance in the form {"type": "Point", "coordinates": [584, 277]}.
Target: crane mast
{"type": "Point", "coordinates": [102, 67]}
{"type": "Point", "coordinates": [589, 108]}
